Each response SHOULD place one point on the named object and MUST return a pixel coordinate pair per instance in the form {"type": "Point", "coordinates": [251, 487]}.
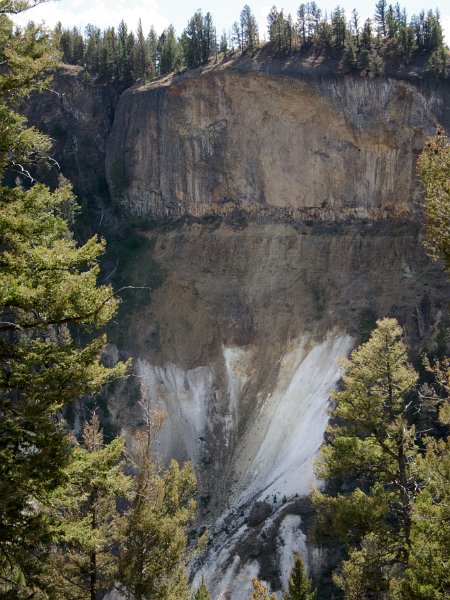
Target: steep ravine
{"type": "Point", "coordinates": [271, 218]}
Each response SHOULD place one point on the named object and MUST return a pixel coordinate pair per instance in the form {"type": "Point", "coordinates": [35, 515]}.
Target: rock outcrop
{"type": "Point", "coordinates": [325, 148]}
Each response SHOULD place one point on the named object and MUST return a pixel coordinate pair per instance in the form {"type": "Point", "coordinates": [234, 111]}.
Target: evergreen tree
{"type": "Point", "coordinates": [313, 19]}
{"type": "Point", "coordinates": [372, 442]}
{"type": "Point", "coordinates": [428, 573]}
{"type": "Point", "coordinates": [366, 36]}
{"type": "Point", "coordinates": [47, 283]}
{"type": "Point", "coordinates": [261, 591]}
{"type": "Point", "coordinates": [92, 51]}
{"type": "Point", "coordinates": [249, 30]}
{"type": "Point", "coordinates": [380, 16]}
{"type": "Point", "coordinates": [84, 564]}
{"type": "Point", "coordinates": [339, 28]}
{"type": "Point", "coordinates": [437, 62]}
{"type": "Point", "coordinates": [169, 52]}
{"type": "Point", "coordinates": [354, 27]}
{"type": "Point", "coordinates": [192, 41]}
{"type": "Point", "coordinates": [299, 585]}
{"type": "Point", "coordinates": [302, 23]}
{"type": "Point", "coordinates": [236, 36]}
{"type": "Point", "coordinates": [152, 43]}
{"type": "Point", "coordinates": [223, 44]}
{"type": "Point", "coordinates": [198, 40]}
{"type": "Point", "coordinates": [109, 56]}
{"type": "Point", "coordinates": [202, 593]}
{"type": "Point", "coordinates": [276, 28]}
{"type": "Point", "coordinates": [323, 38]}
{"type": "Point", "coordinates": [349, 62]}
{"type": "Point", "coordinates": [406, 43]}
{"type": "Point", "coordinates": [125, 47]}
{"type": "Point", "coordinates": [151, 564]}
{"type": "Point", "coordinates": [434, 173]}
{"type": "Point", "coordinates": [141, 55]}
{"type": "Point", "coordinates": [375, 64]}
{"type": "Point", "coordinates": [209, 46]}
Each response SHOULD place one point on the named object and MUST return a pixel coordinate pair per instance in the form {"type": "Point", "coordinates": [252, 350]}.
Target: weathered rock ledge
{"type": "Point", "coordinates": [283, 145]}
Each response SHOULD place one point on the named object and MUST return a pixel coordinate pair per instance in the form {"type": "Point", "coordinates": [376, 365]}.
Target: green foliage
{"type": "Point", "coordinates": [125, 58]}
{"type": "Point", "coordinates": [48, 291]}
{"type": "Point", "coordinates": [198, 40]}
{"type": "Point", "coordinates": [151, 563]}
{"type": "Point", "coordinates": [299, 585]}
{"type": "Point", "coordinates": [349, 61]}
{"type": "Point", "coordinates": [170, 56]}
{"type": "Point", "coordinates": [261, 591]}
{"type": "Point", "coordinates": [282, 32]}
{"type": "Point", "coordinates": [202, 593]}
{"type": "Point", "coordinates": [437, 62]}
{"type": "Point", "coordinates": [434, 172]}
{"type": "Point", "coordinates": [370, 440]}
{"type": "Point", "coordinates": [84, 562]}
{"type": "Point", "coordinates": [375, 64]}
{"type": "Point", "coordinates": [427, 573]}
{"type": "Point", "coordinates": [249, 31]}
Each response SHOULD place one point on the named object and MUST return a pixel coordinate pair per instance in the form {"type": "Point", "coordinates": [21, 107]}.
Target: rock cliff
{"type": "Point", "coordinates": [325, 148]}
{"type": "Point", "coordinates": [269, 215]}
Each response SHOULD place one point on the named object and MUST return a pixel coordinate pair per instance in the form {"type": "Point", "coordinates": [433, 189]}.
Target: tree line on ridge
{"type": "Point", "coordinates": [120, 55]}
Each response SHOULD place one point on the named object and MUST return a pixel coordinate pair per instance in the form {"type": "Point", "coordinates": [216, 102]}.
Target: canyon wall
{"type": "Point", "coordinates": [266, 217]}
{"type": "Point", "coordinates": [328, 148]}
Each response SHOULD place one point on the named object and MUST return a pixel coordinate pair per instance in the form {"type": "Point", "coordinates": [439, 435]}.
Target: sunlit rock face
{"type": "Point", "coordinates": [320, 147]}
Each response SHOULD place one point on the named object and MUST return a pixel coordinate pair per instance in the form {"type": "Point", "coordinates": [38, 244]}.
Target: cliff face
{"type": "Point", "coordinates": [78, 116]}
{"type": "Point", "coordinates": [327, 148]}
{"type": "Point", "coordinates": [286, 209]}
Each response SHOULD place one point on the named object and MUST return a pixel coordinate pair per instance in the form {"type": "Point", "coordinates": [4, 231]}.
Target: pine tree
{"type": "Point", "coordinates": [302, 23]}
{"type": "Point", "coordinates": [372, 442]}
{"type": "Point", "coordinates": [434, 173]}
{"type": "Point", "coordinates": [428, 572]}
{"type": "Point", "coordinates": [236, 36]}
{"type": "Point", "coordinates": [375, 64]}
{"type": "Point", "coordinates": [249, 30]}
{"type": "Point", "coordinates": [169, 51]}
{"type": "Point", "coordinates": [152, 558]}
{"type": "Point", "coordinates": [141, 58]}
{"type": "Point", "coordinates": [202, 593]}
{"type": "Point", "coordinates": [223, 44]}
{"type": "Point", "coordinates": [47, 283]}
{"type": "Point", "coordinates": [349, 61]}
{"type": "Point", "coordinates": [84, 564]}
{"type": "Point", "coordinates": [299, 585]}
{"type": "Point", "coordinates": [437, 62]}
{"type": "Point", "coordinates": [192, 41]}
{"type": "Point", "coordinates": [125, 49]}
{"type": "Point", "coordinates": [261, 591]}
{"type": "Point", "coordinates": [380, 16]}
{"type": "Point", "coordinates": [339, 28]}
{"type": "Point", "coordinates": [152, 43]}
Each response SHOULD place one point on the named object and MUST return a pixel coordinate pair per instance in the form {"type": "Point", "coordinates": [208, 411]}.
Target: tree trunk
{"type": "Point", "coordinates": [93, 555]}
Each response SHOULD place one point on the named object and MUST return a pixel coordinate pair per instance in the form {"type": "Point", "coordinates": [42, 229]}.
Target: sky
{"type": "Point", "coordinates": [105, 13]}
